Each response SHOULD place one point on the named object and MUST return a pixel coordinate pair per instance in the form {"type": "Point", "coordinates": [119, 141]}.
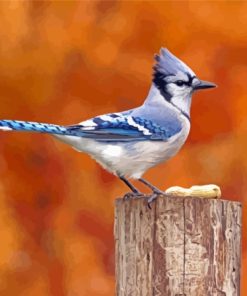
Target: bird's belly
{"type": "Point", "coordinates": [148, 154]}
{"type": "Point", "coordinates": [130, 159]}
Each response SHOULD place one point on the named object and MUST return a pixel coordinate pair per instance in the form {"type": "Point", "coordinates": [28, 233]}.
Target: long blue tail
{"type": "Point", "coordinates": [8, 125]}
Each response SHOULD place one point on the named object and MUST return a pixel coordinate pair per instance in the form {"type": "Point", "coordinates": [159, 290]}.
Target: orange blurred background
{"type": "Point", "coordinates": [64, 62]}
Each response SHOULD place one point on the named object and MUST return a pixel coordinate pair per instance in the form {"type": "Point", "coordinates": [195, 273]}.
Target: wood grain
{"type": "Point", "coordinates": [181, 247]}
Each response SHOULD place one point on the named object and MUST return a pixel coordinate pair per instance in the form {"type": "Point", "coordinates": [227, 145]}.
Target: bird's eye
{"type": "Point", "coordinates": [180, 83]}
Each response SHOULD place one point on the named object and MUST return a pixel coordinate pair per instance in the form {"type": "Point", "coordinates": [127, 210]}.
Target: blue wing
{"type": "Point", "coordinates": [114, 127]}
{"type": "Point", "coordinates": [121, 127]}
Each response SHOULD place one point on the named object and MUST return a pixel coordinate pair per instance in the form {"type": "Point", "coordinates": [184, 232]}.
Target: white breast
{"type": "Point", "coordinates": [130, 159]}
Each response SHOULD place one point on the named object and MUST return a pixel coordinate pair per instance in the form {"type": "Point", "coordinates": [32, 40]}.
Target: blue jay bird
{"type": "Point", "coordinates": [128, 143]}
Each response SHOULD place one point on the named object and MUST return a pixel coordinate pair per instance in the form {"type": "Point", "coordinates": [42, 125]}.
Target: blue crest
{"type": "Point", "coordinates": [168, 64]}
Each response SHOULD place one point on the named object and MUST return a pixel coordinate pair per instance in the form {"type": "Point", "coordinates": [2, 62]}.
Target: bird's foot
{"type": "Point", "coordinates": [154, 196]}
{"type": "Point", "coordinates": [151, 199]}
{"type": "Point", "coordinates": [132, 195]}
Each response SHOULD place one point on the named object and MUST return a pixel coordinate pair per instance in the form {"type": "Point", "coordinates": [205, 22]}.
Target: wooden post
{"type": "Point", "coordinates": [181, 247]}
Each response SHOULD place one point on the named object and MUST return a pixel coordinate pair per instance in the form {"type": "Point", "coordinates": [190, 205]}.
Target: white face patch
{"type": "Point", "coordinates": [180, 94]}
{"type": "Point", "coordinates": [179, 91]}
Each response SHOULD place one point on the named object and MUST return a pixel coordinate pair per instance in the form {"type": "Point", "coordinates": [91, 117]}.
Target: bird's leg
{"type": "Point", "coordinates": [135, 192]}
{"type": "Point", "coordinates": [156, 191]}
{"type": "Point", "coordinates": [152, 187]}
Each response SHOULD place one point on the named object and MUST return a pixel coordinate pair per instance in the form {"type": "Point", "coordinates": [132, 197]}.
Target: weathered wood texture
{"type": "Point", "coordinates": [181, 247]}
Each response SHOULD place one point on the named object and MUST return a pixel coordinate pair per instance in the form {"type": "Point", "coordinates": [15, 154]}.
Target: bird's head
{"type": "Point", "coordinates": [175, 80]}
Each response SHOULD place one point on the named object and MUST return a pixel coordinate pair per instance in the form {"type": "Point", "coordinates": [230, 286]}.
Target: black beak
{"type": "Point", "coordinates": [203, 85]}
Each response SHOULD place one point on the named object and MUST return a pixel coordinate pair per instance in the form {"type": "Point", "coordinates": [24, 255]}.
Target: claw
{"type": "Point", "coordinates": [151, 199]}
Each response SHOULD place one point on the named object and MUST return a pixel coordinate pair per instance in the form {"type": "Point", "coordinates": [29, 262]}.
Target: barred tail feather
{"type": "Point", "coordinates": [8, 125]}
